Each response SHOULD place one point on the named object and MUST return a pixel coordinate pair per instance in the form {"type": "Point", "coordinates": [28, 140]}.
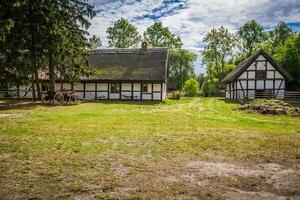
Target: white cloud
{"type": "Point", "coordinates": [192, 19]}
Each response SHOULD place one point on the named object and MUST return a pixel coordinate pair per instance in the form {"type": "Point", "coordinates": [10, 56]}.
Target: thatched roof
{"type": "Point", "coordinates": [240, 68]}
{"type": "Point", "coordinates": [129, 64]}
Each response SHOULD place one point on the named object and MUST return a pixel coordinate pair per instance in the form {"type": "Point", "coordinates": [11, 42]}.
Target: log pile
{"type": "Point", "coordinates": [274, 107]}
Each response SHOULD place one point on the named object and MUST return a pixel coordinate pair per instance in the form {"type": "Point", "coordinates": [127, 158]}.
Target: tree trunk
{"type": "Point", "coordinates": [33, 87]}
{"type": "Point", "coordinates": [51, 71]}
{"type": "Point", "coordinates": [38, 88]}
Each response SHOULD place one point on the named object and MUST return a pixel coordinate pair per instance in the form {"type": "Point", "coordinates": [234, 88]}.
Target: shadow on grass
{"type": "Point", "coordinates": [127, 102]}
{"type": "Point", "coordinates": [26, 104]}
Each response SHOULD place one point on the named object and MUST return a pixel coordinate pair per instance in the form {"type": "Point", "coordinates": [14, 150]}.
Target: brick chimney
{"type": "Point", "coordinates": [144, 46]}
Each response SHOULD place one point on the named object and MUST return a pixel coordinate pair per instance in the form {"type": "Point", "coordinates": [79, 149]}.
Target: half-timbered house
{"type": "Point", "coordinates": [257, 77]}
{"type": "Point", "coordinates": [120, 74]}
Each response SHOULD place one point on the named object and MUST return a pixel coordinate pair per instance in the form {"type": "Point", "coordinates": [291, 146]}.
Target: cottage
{"type": "Point", "coordinates": [124, 74]}
{"type": "Point", "coordinates": [257, 77]}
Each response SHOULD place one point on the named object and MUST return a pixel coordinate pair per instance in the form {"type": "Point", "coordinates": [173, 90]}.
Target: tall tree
{"type": "Point", "coordinates": [219, 47]}
{"type": "Point", "coordinates": [288, 56]}
{"type": "Point", "coordinates": [123, 34]}
{"type": "Point", "coordinates": [159, 36]}
{"type": "Point", "coordinates": [181, 66]}
{"type": "Point", "coordinates": [66, 42]}
{"type": "Point", "coordinates": [281, 33]}
{"type": "Point", "coordinates": [94, 42]}
{"type": "Point", "coordinates": [49, 34]}
{"type": "Point", "coordinates": [250, 34]}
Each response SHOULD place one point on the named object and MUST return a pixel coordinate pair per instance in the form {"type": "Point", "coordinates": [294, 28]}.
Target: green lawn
{"type": "Point", "coordinates": [123, 150]}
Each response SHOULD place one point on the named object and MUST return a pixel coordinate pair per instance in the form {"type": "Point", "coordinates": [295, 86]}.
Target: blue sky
{"type": "Point", "coordinates": [192, 19]}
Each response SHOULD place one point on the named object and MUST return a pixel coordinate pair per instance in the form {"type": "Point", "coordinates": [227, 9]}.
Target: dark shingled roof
{"type": "Point", "coordinates": [240, 68]}
{"type": "Point", "coordinates": [129, 64]}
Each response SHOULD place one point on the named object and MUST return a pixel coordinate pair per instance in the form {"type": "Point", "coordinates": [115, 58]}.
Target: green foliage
{"type": "Point", "coordinates": [191, 88]}
{"type": "Point", "coordinates": [48, 37]}
{"type": "Point", "coordinates": [123, 34]}
{"type": "Point", "coordinates": [210, 85]}
{"type": "Point", "coordinates": [250, 34]}
{"type": "Point", "coordinates": [217, 51]}
{"type": "Point", "coordinates": [159, 36]}
{"type": "Point", "coordinates": [94, 42]}
{"type": "Point", "coordinates": [181, 66]}
{"type": "Point", "coordinates": [288, 56]}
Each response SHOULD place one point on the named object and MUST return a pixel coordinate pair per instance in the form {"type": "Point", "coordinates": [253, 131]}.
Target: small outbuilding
{"type": "Point", "coordinates": [257, 77]}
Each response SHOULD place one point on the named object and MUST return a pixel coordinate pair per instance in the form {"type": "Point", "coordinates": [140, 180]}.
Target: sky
{"type": "Point", "coordinates": [192, 19]}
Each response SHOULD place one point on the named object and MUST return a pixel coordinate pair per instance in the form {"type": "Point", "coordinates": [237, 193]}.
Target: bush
{"type": "Point", "coordinates": [191, 87]}
{"type": "Point", "coordinates": [210, 86]}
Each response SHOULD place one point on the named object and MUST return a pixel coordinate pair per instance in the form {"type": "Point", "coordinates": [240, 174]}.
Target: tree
{"type": "Point", "coordinates": [159, 36]}
{"type": "Point", "coordinates": [276, 37]}
{"type": "Point", "coordinates": [288, 56]}
{"type": "Point", "coordinates": [191, 87]}
{"type": "Point", "coordinates": [94, 42]}
{"type": "Point", "coordinates": [123, 34]}
{"type": "Point", "coordinates": [49, 34]}
{"type": "Point", "coordinates": [250, 34]}
{"type": "Point", "coordinates": [217, 51]}
{"type": "Point", "coordinates": [281, 33]}
{"type": "Point", "coordinates": [181, 66]}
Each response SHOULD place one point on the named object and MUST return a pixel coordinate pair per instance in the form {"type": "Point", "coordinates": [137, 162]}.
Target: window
{"type": "Point", "coordinates": [261, 74]}
{"type": "Point", "coordinates": [144, 87]}
{"type": "Point", "coordinates": [115, 87]}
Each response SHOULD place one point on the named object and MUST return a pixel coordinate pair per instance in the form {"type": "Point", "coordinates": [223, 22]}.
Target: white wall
{"type": "Point", "coordinates": [267, 84]}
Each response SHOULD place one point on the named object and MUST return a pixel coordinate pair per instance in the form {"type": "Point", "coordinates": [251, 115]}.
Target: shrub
{"type": "Point", "coordinates": [191, 87]}
{"type": "Point", "coordinates": [210, 86]}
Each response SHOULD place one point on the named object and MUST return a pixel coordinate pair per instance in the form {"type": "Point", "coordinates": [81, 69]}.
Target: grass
{"type": "Point", "coordinates": [125, 150]}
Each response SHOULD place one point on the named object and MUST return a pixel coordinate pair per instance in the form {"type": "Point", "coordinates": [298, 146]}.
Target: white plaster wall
{"type": "Point", "coordinates": [278, 75]}
{"type": "Point", "coordinates": [243, 75]}
{"type": "Point", "coordinates": [270, 74]}
{"type": "Point", "coordinates": [277, 84]}
{"type": "Point", "coordinates": [57, 86]}
{"type": "Point", "coordinates": [149, 87]}
{"type": "Point", "coordinates": [90, 86]}
{"type": "Point", "coordinates": [252, 67]}
{"type": "Point", "coordinates": [251, 75]}
{"type": "Point", "coordinates": [126, 95]}
{"type": "Point", "coordinates": [261, 57]}
{"type": "Point", "coordinates": [102, 95]}
{"type": "Point", "coordinates": [79, 94]}
{"type": "Point", "coordinates": [164, 95]}
{"type": "Point", "coordinates": [227, 86]}
{"type": "Point", "coordinates": [102, 86]}
{"type": "Point", "coordinates": [67, 86]}
{"type": "Point", "coordinates": [251, 84]}
{"type": "Point", "coordinates": [146, 96]}
{"type": "Point", "coordinates": [90, 95]}
{"type": "Point", "coordinates": [156, 96]}
{"type": "Point", "coordinates": [269, 84]}
{"type": "Point", "coordinates": [270, 66]}
{"type": "Point", "coordinates": [136, 95]}
{"type": "Point", "coordinates": [114, 96]}
{"type": "Point", "coordinates": [156, 87]}
{"type": "Point", "coordinates": [227, 94]}
{"type": "Point", "coordinates": [261, 66]}
{"type": "Point", "coordinates": [137, 86]}
{"type": "Point", "coordinates": [126, 86]}
{"type": "Point", "coordinates": [78, 86]}
{"type": "Point", "coordinates": [259, 84]}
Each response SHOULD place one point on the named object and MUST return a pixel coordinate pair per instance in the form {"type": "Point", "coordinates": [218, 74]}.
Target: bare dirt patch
{"type": "Point", "coordinates": [10, 115]}
{"type": "Point", "coordinates": [262, 181]}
